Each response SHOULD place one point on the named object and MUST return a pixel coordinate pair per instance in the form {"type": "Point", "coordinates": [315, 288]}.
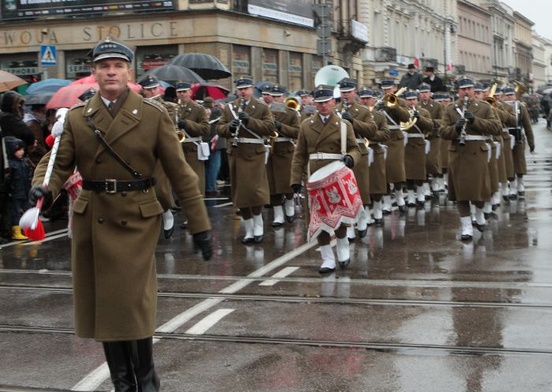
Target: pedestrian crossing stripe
{"type": "Point", "coordinates": [48, 55]}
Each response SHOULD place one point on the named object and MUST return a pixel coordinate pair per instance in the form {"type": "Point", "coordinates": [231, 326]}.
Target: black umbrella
{"type": "Point", "coordinates": [206, 65]}
{"type": "Point", "coordinates": [172, 74]}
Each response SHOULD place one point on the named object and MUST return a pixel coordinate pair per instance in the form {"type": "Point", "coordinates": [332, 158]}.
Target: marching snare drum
{"type": "Point", "coordinates": [334, 198]}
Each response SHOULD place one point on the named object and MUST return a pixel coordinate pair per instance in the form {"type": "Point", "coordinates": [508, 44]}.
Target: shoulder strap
{"type": "Point", "coordinates": [135, 173]}
{"type": "Point", "coordinates": [343, 138]}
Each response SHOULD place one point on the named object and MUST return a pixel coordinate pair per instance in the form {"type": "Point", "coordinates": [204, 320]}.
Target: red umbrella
{"type": "Point", "coordinates": [213, 90]}
{"type": "Point", "coordinates": [68, 96]}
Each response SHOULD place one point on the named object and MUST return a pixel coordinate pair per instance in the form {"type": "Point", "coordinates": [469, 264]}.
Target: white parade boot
{"type": "Point", "coordinates": [351, 233]}
{"type": "Point", "coordinates": [520, 187]}
{"type": "Point", "coordinates": [513, 190]}
{"type": "Point", "coordinates": [466, 228]}
{"type": "Point", "coordinates": [168, 224]}
{"type": "Point", "coordinates": [290, 209]}
{"type": "Point", "coordinates": [343, 252]}
{"type": "Point", "coordinates": [377, 207]}
{"type": "Point", "coordinates": [258, 229]}
{"type": "Point", "coordinates": [363, 221]}
{"type": "Point", "coordinates": [400, 200]}
{"type": "Point", "coordinates": [480, 221]}
{"type": "Point", "coordinates": [328, 259]}
{"type": "Point", "coordinates": [420, 200]}
{"type": "Point", "coordinates": [386, 204]}
{"type": "Point", "coordinates": [411, 198]}
{"type": "Point", "coordinates": [278, 216]}
{"type": "Point", "coordinates": [504, 191]}
{"type": "Point", "coordinates": [426, 191]}
{"type": "Point", "coordinates": [248, 238]}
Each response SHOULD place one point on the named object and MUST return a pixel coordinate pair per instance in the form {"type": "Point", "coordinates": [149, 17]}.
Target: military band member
{"type": "Point", "coordinates": [246, 123]}
{"type": "Point", "coordinates": [444, 99]}
{"type": "Point", "coordinates": [151, 90]}
{"type": "Point", "coordinates": [307, 104]}
{"type": "Point", "coordinates": [278, 167]}
{"type": "Point", "coordinates": [433, 157]}
{"type": "Point", "coordinates": [318, 144]}
{"type": "Point", "coordinates": [117, 215]}
{"type": "Point", "coordinates": [378, 179]}
{"type": "Point", "coordinates": [508, 121]}
{"type": "Point", "coordinates": [523, 135]}
{"type": "Point", "coordinates": [467, 123]}
{"type": "Point", "coordinates": [395, 111]}
{"type": "Point", "coordinates": [365, 129]}
{"type": "Point", "coordinates": [194, 122]}
{"type": "Point", "coordinates": [415, 149]}
{"type": "Point", "coordinates": [480, 92]}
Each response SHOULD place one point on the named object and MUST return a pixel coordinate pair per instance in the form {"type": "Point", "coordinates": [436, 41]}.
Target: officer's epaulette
{"type": "Point", "coordinates": [77, 105]}
{"type": "Point", "coordinates": [154, 103]}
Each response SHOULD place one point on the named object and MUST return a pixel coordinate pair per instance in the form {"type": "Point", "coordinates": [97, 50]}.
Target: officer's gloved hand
{"type": "Point", "coordinates": [277, 124]}
{"type": "Point", "coordinates": [244, 117]}
{"type": "Point", "coordinates": [348, 161]}
{"type": "Point", "coordinates": [347, 116]}
{"type": "Point", "coordinates": [296, 188]}
{"type": "Point", "coordinates": [460, 124]}
{"type": "Point", "coordinates": [470, 117]}
{"type": "Point", "coordinates": [234, 125]}
{"type": "Point", "coordinates": [531, 149]}
{"type": "Point", "coordinates": [416, 114]}
{"type": "Point", "coordinates": [182, 124]}
{"type": "Point", "coordinates": [38, 192]}
{"type": "Point", "coordinates": [204, 242]}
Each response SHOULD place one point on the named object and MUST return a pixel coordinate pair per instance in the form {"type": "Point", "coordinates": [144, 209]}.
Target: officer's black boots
{"type": "Point", "coordinates": [120, 366]}
{"type": "Point", "coordinates": [142, 357]}
{"type": "Point", "coordinates": [131, 365]}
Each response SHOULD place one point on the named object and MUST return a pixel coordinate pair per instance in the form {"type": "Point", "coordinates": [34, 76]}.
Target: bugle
{"type": "Point", "coordinates": [293, 103]}
{"type": "Point", "coordinates": [404, 126]}
{"type": "Point", "coordinates": [490, 97]}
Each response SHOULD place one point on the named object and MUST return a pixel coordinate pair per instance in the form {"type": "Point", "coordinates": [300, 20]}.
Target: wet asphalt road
{"type": "Point", "coordinates": [417, 310]}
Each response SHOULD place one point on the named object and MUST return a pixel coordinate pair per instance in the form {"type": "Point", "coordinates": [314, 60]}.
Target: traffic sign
{"type": "Point", "coordinates": [48, 55]}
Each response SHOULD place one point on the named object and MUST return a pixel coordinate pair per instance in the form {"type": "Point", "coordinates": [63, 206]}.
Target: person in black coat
{"type": "Point", "coordinates": [434, 81]}
{"type": "Point", "coordinates": [11, 119]}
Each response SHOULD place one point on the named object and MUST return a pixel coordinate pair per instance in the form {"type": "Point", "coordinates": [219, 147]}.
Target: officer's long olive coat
{"type": "Point", "coordinates": [248, 178]}
{"type": "Point", "coordinates": [415, 149]}
{"type": "Point", "coordinates": [468, 164]}
{"type": "Point", "coordinates": [433, 158]}
{"type": "Point", "coordinates": [115, 235]}
{"type": "Point", "coordinates": [394, 164]}
{"type": "Point", "coordinates": [278, 167]}
{"type": "Point", "coordinates": [364, 128]}
{"type": "Point", "coordinates": [197, 125]}
{"type": "Point", "coordinates": [378, 178]}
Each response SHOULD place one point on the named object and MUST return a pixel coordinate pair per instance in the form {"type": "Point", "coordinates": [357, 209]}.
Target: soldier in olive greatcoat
{"type": "Point", "coordinates": [116, 139]}
{"type": "Point", "coordinates": [469, 125]}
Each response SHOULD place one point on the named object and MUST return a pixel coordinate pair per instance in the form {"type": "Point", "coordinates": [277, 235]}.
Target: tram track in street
{"type": "Point", "coordinates": [312, 299]}
{"type": "Point", "coordinates": [388, 347]}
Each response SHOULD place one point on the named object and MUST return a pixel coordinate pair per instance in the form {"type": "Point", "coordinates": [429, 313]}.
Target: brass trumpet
{"type": "Point", "coordinates": [490, 97]}
{"type": "Point", "coordinates": [519, 89]}
{"type": "Point", "coordinates": [180, 135]}
{"type": "Point", "coordinates": [293, 103]}
{"type": "Point", "coordinates": [390, 100]}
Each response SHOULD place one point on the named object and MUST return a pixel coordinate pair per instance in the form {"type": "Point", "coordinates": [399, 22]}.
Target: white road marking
{"type": "Point", "coordinates": [95, 378]}
{"type": "Point", "coordinates": [278, 275]}
{"type": "Point", "coordinates": [207, 322]}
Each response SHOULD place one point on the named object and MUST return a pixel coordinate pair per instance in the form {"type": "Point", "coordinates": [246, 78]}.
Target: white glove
{"type": "Point", "coordinates": [57, 129]}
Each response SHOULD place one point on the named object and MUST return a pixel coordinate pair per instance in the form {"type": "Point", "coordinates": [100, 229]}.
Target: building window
{"type": "Point", "coordinates": [270, 65]}
{"type": "Point", "coordinates": [295, 71]}
{"type": "Point", "coordinates": [241, 61]}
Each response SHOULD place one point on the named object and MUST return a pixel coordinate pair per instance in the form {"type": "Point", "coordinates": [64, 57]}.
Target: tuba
{"type": "Point", "coordinates": [330, 75]}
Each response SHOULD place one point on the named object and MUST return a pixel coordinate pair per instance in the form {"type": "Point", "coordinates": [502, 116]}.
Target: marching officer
{"type": "Point", "coordinates": [278, 167]}
{"type": "Point", "coordinates": [468, 123]}
{"type": "Point", "coordinates": [395, 111]}
{"type": "Point", "coordinates": [246, 123]}
{"type": "Point", "coordinates": [307, 104]}
{"type": "Point", "coordinates": [415, 149]}
{"type": "Point", "coordinates": [320, 143]}
{"type": "Point", "coordinates": [116, 139]}
{"type": "Point", "coordinates": [194, 122]}
{"type": "Point", "coordinates": [378, 151]}
{"type": "Point", "coordinates": [509, 119]}
{"type": "Point", "coordinates": [433, 157]}
{"type": "Point", "coordinates": [365, 129]}
{"type": "Point", "coordinates": [151, 90]}
{"type": "Point", "coordinates": [523, 135]}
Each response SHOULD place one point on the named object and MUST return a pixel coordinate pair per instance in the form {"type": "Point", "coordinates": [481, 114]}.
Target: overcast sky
{"type": "Point", "coordinates": [538, 11]}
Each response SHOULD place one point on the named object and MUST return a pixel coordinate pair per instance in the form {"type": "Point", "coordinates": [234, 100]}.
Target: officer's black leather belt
{"type": "Point", "coordinates": [111, 185]}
